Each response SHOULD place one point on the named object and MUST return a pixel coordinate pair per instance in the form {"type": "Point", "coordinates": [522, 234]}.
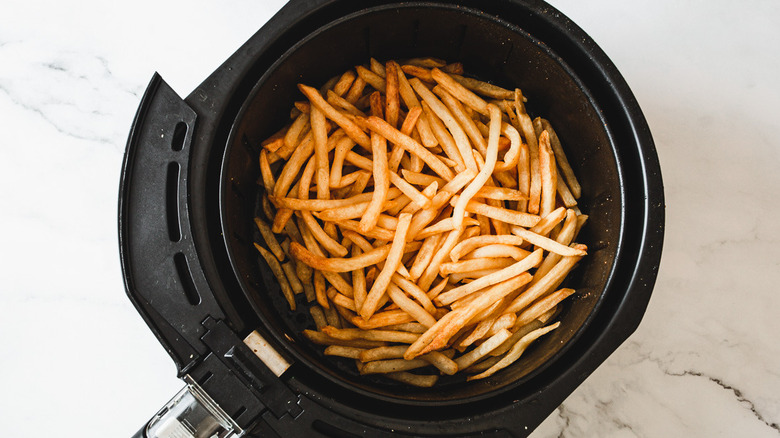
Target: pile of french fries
{"type": "Point", "coordinates": [427, 219]}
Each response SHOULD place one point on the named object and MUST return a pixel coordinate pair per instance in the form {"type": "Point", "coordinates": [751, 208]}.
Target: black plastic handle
{"type": "Point", "coordinates": [162, 272]}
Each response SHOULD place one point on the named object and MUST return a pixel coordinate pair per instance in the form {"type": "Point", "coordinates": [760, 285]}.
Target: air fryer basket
{"type": "Point", "coordinates": [189, 192]}
{"type": "Point", "coordinates": [490, 48]}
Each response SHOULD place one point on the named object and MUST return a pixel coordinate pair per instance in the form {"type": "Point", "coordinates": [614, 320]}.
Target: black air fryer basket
{"type": "Point", "coordinates": [188, 195]}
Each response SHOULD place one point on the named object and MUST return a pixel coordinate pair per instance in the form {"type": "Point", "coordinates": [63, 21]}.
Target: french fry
{"type": "Point", "coordinates": [466, 246]}
{"type": "Point", "coordinates": [342, 351]}
{"type": "Point", "coordinates": [501, 214]}
{"type": "Point", "coordinates": [278, 272]}
{"type": "Point", "coordinates": [318, 316]}
{"type": "Point", "coordinates": [527, 128]}
{"type": "Point", "coordinates": [487, 169]}
{"type": "Point", "coordinates": [489, 280]}
{"type": "Point", "coordinates": [391, 265]}
{"type": "Point", "coordinates": [270, 239]}
{"type": "Point", "coordinates": [516, 351]}
{"type": "Point", "coordinates": [349, 127]}
{"type": "Point", "coordinates": [549, 175]}
{"type": "Point", "coordinates": [560, 157]}
{"type": "Point", "coordinates": [548, 282]}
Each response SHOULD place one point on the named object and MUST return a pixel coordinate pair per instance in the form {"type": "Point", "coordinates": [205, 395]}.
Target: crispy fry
{"type": "Point", "coordinates": [487, 169]}
{"type": "Point", "coordinates": [549, 175]}
{"type": "Point", "coordinates": [385, 130]}
{"type": "Point", "coordinates": [489, 280]}
{"type": "Point", "coordinates": [349, 127]}
{"type": "Point", "coordinates": [502, 214]}
{"type": "Point", "coordinates": [391, 265]}
{"type": "Point", "coordinates": [560, 157]}
{"type": "Point", "coordinates": [381, 184]}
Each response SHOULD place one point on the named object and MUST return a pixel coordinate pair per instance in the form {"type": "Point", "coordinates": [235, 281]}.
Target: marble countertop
{"type": "Point", "coordinates": [79, 361]}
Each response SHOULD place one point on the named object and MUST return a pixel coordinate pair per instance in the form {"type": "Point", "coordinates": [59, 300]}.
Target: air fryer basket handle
{"type": "Point", "coordinates": [163, 273]}
{"type": "Point", "coordinates": [190, 413]}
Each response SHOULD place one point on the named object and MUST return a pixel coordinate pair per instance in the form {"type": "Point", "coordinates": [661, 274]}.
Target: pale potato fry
{"type": "Point", "coordinates": [516, 351]}
{"type": "Point", "coordinates": [541, 287]}
{"type": "Point", "coordinates": [498, 250]}
{"type": "Point", "coordinates": [342, 351]}
{"type": "Point", "coordinates": [483, 349]}
{"type": "Point", "coordinates": [542, 305]}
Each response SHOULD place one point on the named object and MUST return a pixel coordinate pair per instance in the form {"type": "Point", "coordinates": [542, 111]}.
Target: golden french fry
{"type": "Point", "coordinates": [381, 184]}
{"type": "Point", "coordinates": [489, 280]}
{"type": "Point", "coordinates": [371, 78]}
{"type": "Point", "coordinates": [501, 214]}
{"type": "Point", "coordinates": [370, 335]}
{"type": "Point", "coordinates": [406, 304]}
{"type": "Point", "coordinates": [391, 265]}
{"type": "Point", "coordinates": [487, 169]}
{"type": "Point", "coordinates": [292, 277]}
{"type": "Point", "coordinates": [560, 157]}
{"type": "Point", "coordinates": [549, 175]}
{"type": "Point", "coordinates": [349, 127]}
{"type": "Point", "coordinates": [548, 244]}
{"type": "Point", "coordinates": [527, 128]}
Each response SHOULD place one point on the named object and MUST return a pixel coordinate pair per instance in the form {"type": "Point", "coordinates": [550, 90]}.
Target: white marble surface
{"type": "Point", "coordinates": [77, 360]}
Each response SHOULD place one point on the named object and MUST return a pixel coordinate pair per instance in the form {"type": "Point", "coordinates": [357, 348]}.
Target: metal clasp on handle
{"type": "Point", "coordinates": [192, 414]}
